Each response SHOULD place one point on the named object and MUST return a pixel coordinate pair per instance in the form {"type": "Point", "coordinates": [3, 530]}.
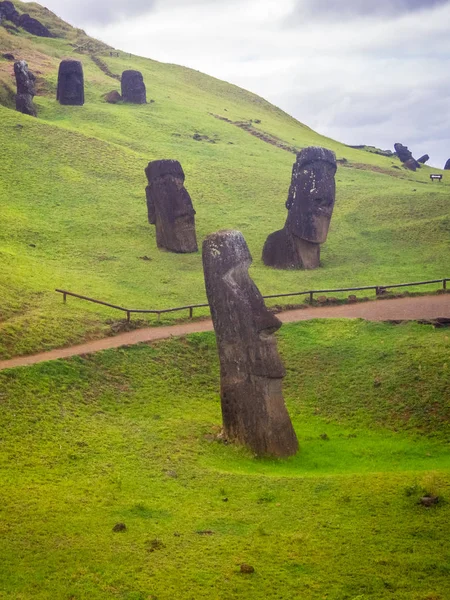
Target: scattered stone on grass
{"type": "Point", "coordinates": [155, 544]}
{"type": "Point", "coordinates": [113, 97]}
{"type": "Point", "coordinates": [429, 501]}
{"type": "Point", "coordinates": [247, 569]}
{"type": "Point", "coordinates": [119, 527]}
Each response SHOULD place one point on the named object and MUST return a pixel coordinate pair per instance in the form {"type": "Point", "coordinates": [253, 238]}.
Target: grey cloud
{"type": "Point", "coordinates": [345, 9]}
{"type": "Point", "coordinates": [98, 12]}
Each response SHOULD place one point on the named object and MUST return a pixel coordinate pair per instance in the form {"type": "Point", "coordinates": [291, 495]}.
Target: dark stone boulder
{"type": "Point", "coordinates": [113, 97]}
{"type": "Point", "coordinates": [310, 207]}
{"type": "Point", "coordinates": [33, 26]}
{"type": "Point", "coordinates": [423, 159]}
{"type": "Point", "coordinates": [25, 81]}
{"type": "Point", "coordinates": [133, 87]}
{"type": "Point", "coordinates": [169, 207]}
{"type": "Point", "coordinates": [251, 371]}
{"type": "Point", "coordinates": [411, 164]}
{"type": "Point", "coordinates": [8, 56]}
{"type": "Point", "coordinates": [70, 83]}
{"type": "Point", "coordinates": [402, 152]}
{"type": "Point", "coordinates": [8, 12]}
{"type": "Point", "coordinates": [447, 165]}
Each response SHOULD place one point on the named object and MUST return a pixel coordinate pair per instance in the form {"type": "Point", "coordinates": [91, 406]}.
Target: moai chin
{"type": "Point", "coordinates": [253, 409]}
{"type": "Point", "coordinates": [170, 207]}
{"type": "Point", "coordinates": [133, 87]}
{"type": "Point", "coordinates": [310, 205]}
{"type": "Point", "coordinates": [26, 91]}
{"type": "Point", "coordinates": [70, 83]}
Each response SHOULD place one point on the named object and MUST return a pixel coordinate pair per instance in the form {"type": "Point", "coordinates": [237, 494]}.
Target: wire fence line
{"type": "Point", "coordinates": [379, 291]}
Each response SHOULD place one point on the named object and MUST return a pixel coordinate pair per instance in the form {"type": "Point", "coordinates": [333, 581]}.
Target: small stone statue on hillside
{"type": "Point", "coordinates": [26, 90]}
{"type": "Point", "coordinates": [251, 370]}
{"type": "Point", "coordinates": [447, 165]}
{"type": "Point", "coordinates": [70, 83]}
{"type": "Point", "coordinates": [133, 87]}
{"type": "Point", "coordinates": [310, 207]}
{"type": "Point", "coordinates": [170, 207]}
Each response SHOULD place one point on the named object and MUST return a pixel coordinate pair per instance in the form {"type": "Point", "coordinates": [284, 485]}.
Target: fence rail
{"type": "Point", "coordinates": [379, 291]}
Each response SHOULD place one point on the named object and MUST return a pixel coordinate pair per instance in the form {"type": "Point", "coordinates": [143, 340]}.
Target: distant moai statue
{"type": "Point", "coordinates": [170, 207]}
{"type": "Point", "coordinates": [26, 90]}
{"type": "Point", "coordinates": [70, 83]}
{"type": "Point", "coordinates": [310, 207]}
{"type": "Point", "coordinates": [253, 408]}
{"type": "Point", "coordinates": [133, 87]}
{"type": "Point", "coordinates": [447, 165]}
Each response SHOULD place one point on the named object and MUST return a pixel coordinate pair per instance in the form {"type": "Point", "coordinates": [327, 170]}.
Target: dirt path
{"type": "Point", "coordinates": [401, 309]}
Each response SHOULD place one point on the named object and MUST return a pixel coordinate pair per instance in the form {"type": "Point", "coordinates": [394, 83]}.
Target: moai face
{"type": "Point", "coordinates": [170, 206]}
{"type": "Point", "coordinates": [71, 83]}
{"type": "Point", "coordinates": [312, 195]}
{"type": "Point", "coordinates": [253, 408]}
{"type": "Point", "coordinates": [25, 79]}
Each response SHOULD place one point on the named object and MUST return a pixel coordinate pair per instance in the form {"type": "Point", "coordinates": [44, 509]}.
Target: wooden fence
{"type": "Point", "coordinates": [379, 290]}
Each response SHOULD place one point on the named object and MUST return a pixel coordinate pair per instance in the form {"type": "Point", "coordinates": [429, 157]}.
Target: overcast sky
{"type": "Point", "coordinates": [360, 71]}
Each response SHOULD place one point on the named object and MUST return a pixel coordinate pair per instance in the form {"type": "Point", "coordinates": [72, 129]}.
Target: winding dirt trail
{"type": "Point", "coordinates": [396, 309]}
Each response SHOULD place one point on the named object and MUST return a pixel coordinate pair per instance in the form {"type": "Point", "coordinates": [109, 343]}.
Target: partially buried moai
{"type": "Point", "coordinates": [26, 90]}
{"type": "Point", "coordinates": [70, 83]}
{"type": "Point", "coordinates": [169, 207]}
{"type": "Point", "coordinates": [251, 370]}
{"type": "Point", "coordinates": [133, 87]}
{"type": "Point", "coordinates": [310, 206]}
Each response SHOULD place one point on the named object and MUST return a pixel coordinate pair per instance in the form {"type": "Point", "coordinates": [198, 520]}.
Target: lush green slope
{"type": "Point", "coordinates": [72, 195]}
{"type": "Point", "coordinates": [129, 436]}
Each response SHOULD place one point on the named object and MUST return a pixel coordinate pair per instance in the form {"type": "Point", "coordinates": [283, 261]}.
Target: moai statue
{"type": "Point", "coordinates": [447, 165]}
{"type": "Point", "coordinates": [70, 83]}
{"type": "Point", "coordinates": [310, 206]}
{"type": "Point", "coordinates": [133, 87]}
{"type": "Point", "coordinates": [251, 370]}
{"type": "Point", "coordinates": [170, 207]}
{"type": "Point", "coordinates": [26, 90]}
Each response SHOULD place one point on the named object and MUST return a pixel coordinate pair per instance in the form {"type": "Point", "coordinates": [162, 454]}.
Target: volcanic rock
{"type": "Point", "coordinates": [133, 87]}
{"type": "Point", "coordinates": [70, 83]}
{"type": "Point", "coordinates": [33, 26]}
{"type": "Point", "coordinates": [423, 159]}
{"type": "Point", "coordinates": [26, 91]}
{"type": "Point", "coordinates": [113, 97]}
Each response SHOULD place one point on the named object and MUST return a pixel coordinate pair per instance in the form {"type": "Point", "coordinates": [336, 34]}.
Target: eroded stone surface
{"type": "Point", "coordinates": [423, 159]}
{"type": "Point", "coordinates": [169, 207]}
{"type": "Point", "coordinates": [70, 83]}
{"type": "Point", "coordinates": [310, 207]}
{"type": "Point", "coordinates": [25, 81]}
{"type": "Point", "coordinates": [133, 87]}
{"type": "Point", "coordinates": [251, 370]}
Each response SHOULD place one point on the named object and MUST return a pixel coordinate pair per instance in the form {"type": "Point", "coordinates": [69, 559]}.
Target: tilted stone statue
{"type": "Point", "coordinates": [70, 83]}
{"type": "Point", "coordinates": [133, 87]}
{"type": "Point", "coordinates": [310, 206]}
{"type": "Point", "coordinates": [251, 370]}
{"type": "Point", "coordinates": [447, 165]}
{"type": "Point", "coordinates": [26, 90]}
{"type": "Point", "coordinates": [170, 207]}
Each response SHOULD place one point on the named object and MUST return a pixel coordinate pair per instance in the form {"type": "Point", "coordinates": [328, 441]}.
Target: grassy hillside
{"type": "Point", "coordinates": [129, 436]}
{"type": "Point", "coordinates": [73, 209]}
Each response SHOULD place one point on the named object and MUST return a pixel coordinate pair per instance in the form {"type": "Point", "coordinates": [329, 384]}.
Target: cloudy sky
{"type": "Point", "coordinates": [360, 71]}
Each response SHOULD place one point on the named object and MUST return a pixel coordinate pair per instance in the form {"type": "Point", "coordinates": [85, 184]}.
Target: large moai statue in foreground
{"type": "Point", "coordinates": [170, 207]}
{"type": "Point", "coordinates": [310, 207]}
{"type": "Point", "coordinates": [70, 83]}
{"type": "Point", "coordinates": [26, 90]}
{"type": "Point", "coordinates": [133, 87]}
{"type": "Point", "coordinates": [251, 370]}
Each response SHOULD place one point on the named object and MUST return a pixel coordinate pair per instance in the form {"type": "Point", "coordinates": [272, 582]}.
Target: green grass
{"type": "Point", "coordinates": [73, 204]}
{"type": "Point", "coordinates": [130, 436]}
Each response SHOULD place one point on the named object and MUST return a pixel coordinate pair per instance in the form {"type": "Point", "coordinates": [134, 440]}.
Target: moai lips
{"type": "Point", "coordinates": [169, 207]}
{"type": "Point", "coordinates": [253, 409]}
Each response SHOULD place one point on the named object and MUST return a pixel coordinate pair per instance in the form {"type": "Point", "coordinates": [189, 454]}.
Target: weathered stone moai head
{"type": "Point", "coordinates": [70, 83]}
{"type": "Point", "coordinates": [310, 205]}
{"type": "Point", "coordinates": [170, 207]}
{"type": "Point", "coordinates": [253, 408]}
{"type": "Point", "coordinates": [447, 165]}
{"type": "Point", "coordinates": [133, 87]}
{"type": "Point", "coordinates": [26, 90]}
